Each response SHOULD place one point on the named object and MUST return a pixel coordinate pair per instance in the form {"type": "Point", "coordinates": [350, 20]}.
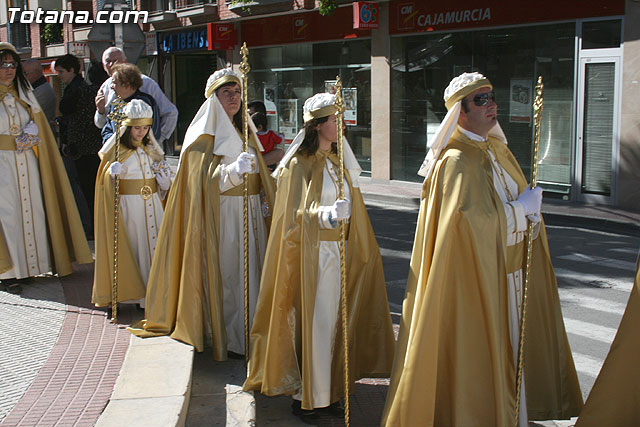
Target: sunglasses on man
{"type": "Point", "coordinates": [483, 99]}
{"type": "Point", "coordinates": [8, 65]}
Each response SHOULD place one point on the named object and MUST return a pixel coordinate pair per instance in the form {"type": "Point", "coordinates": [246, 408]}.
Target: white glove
{"type": "Point", "coordinates": [31, 128]}
{"type": "Point", "coordinates": [116, 168]}
{"type": "Point", "coordinates": [531, 201]}
{"type": "Point", "coordinates": [341, 209]}
{"type": "Point", "coordinates": [243, 164]}
{"type": "Point", "coordinates": [163, 179]}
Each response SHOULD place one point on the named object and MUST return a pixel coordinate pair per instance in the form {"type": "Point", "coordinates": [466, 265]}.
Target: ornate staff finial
{"type": "Point", "coordinates": [339, 101]}
{"type": "Point", "coordinates": [244, 65]}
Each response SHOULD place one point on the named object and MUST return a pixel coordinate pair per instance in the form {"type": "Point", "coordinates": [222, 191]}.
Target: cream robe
{"type": "Point", "coordinates": [142, 217]}
{"type": "Point", "coordinates": [283, 340]}
{"type": "Point", "coordinates": [22, 214]}
{"type": "Point", "coordinates": [516, 233]}
{"type": "Point", "coordinates": [327, 303]}
{"type": "Point", "coordinates": [232, 255]}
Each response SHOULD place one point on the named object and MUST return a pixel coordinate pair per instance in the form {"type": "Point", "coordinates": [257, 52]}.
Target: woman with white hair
{"type": "Point", "coordinates": [196, 284]}
{"type": "Point", "coordinates": [145, 179]}
{"type": "Point", "coordinates": [296, 340]}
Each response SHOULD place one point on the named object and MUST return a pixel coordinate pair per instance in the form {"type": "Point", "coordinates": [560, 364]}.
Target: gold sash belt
{"type": "Point", "coordinates": [254, 187]}
{"type": "Point", "coordinates": [134, 186]}
{"type": "Point", "coordinates": [516, 256]}
{"type": "Point", "coordinates": [7, 143]}
{"type": "Point", "coordinates": [332, 234]}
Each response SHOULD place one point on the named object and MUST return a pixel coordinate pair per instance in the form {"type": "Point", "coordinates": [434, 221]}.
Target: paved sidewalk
{"type": "Point", "coordinates": [69, 352]}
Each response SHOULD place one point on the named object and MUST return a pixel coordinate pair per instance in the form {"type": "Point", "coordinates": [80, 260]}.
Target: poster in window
{"type": "Point", "coordinates": [520, 101]}
{"type": "Point", "coordinates": [330, 86]}
{"type": "Point", "coordinates": [270, 100]}
{"type": "Point", "coordinates": [288, 123]}
{"type": "Point", "coordinates": [350, 99]}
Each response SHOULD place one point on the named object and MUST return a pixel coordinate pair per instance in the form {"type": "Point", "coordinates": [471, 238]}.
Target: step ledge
{"type": "Point", "coordinates": [153, 387]}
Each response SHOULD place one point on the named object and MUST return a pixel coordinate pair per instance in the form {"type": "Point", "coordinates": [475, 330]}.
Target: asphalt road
{"type": "Point", "coordinates": [595, 271]}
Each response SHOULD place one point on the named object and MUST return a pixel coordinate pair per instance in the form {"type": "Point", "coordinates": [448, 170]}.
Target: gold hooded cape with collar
{"type": "Point", "coordinates": [454, 361]}
{"type": "Point", "coordinates": [280, 362]}
{"type": "Point", "coordinates": [614, 400]}
{"type": "Point", "coordinates": [130, 283]}
{"type": "Point", "coordinates": [185, 272]}
{"type": "Point", "coordinates": [67, 241]}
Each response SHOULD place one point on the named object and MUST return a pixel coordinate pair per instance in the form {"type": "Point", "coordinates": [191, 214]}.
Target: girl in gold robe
{"type": "Point", "coordinates": [296, 341]}
{"type": "Point", "coordinates": [144, 182]}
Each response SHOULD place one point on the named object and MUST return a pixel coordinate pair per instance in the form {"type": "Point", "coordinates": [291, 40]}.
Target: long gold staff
{"type": "Point", "coordinates": [537, 121]}
{"type": "Point", "coordinates": [244, 68]}
{"type": "Point", "coordinates": [343, 258]}
{"type": "Point", "coordinates": [117, 117]}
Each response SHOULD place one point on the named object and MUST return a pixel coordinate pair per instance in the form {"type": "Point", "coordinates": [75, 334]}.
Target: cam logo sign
{"type": "Point", "coordinates": [365, 15]}
{"type": "Point", "coordinates": [407, 16]}
{"type": "Point", "coordinates": [300, 27]}
{"type": "Point", "coordinates": [221, 36]}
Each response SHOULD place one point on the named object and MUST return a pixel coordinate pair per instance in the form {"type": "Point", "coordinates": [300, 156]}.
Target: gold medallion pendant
{"type": "Point", "coordinates": [14, 130]}
{"type": "Point", "coordinates": [146, 192]}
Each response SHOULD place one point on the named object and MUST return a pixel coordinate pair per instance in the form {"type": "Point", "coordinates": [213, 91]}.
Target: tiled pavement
{"type": "Point", "coordinates": [72, 381]}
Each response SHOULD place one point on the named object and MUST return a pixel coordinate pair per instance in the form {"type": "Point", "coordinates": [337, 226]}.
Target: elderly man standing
{"type": "Point", "coordinates": [456, 360]}
{"type": "Point", "coordinates": [168, 112]}
{"type": "Point", "coordinates": [43, 91]}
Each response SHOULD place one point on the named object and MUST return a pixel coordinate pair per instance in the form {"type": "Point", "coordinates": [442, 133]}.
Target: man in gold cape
{"type": "Point", "coordinates": [455, 363]}
{"type": "Point", "coordinates": [185, 289]}
{"type": "Point", "coordinates": [131, 281]}
{"type": "Point", "coordinates": [66, 239]}
{"type": "Point", "coordinates": [281, 335]}
{"type": "Point", "coordinates": [614, 400]}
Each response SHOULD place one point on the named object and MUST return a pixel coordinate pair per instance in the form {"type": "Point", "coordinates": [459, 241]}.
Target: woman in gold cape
{"type": "Point", "coordinates": [139, 218]}
{"type": "Point", "coordinates": [282, 342]}
{"type": "Point", "coordinates": [189, 296]}
{"type": "Point", "coordinates": [455, 363]}
{"type": "Point", "coordinates": [37, 176]}
{"type": "Point", "coordinates": [614, 400]}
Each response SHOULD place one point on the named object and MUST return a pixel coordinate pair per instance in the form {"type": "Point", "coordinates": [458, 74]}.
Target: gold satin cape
{"type": "Point", "coordinates": [186, 256]}
{"type": "Point", "coordinates": [5, 259]}
{"type": "Point", "coordinates": [130, 283]}
{"type": "Point", "coordinates": [454, 361]}
{"type": "Point", "coordinates": [67, 241]}
{"type": "Point", "coordinates": [280, 361]}
{"type": "Point", "coordinates": [614, 400]}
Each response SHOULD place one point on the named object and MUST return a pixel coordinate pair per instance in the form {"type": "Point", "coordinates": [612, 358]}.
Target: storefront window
{"type": "Point", "coordinates": [601, 34]}
{"type": "Point", "coordinates": [284, 77]}
{"type": "Point", "coordinates": [512, 58]}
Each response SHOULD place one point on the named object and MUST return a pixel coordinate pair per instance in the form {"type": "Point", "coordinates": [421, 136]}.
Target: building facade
{"type": "Point", "coordinates": [588, 54]}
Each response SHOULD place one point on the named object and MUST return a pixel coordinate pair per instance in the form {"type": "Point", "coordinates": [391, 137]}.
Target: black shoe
{"type": "Point", "coordinates": [333, 410]}
{"type": "Point", "coordinates": [307, 416]}
{"type": "Point", "coordinates": [13, 286]}
{"type": "Point", "coordinates": [109, 313]}
{"type": "Point", "coordinates": [233, 355]}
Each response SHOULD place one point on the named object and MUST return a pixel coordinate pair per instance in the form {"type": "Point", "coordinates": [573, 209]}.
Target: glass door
{"type": "Point", "coordinates": [597, 132]}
